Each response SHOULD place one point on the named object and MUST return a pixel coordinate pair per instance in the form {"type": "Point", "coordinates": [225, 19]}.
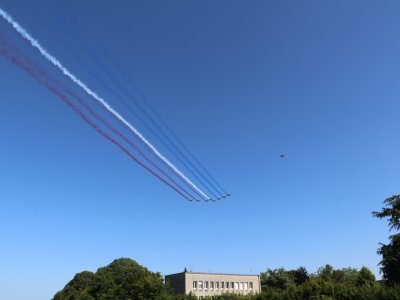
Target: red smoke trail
{"type": "Point", "coordinates": [158, 158]}
{"type": "Point", "coordinates": [123, 137]}
{"type": "Point", "coordinates": [18, 62]}
{"type": "Point", "coordinates": [116, 132]}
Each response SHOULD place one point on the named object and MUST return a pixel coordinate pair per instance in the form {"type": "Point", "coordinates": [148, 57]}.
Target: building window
{"type": "Point", "coordinates": [241, 286]}
{"type": "Point", "coordinates": [246, 285]}
{"type": "Point", "coordinates": [217, 285]}
{"type": "Point", "coordinates": [194, 285]}
{"type": "Point", "coordinates": [251, 285]}
{"type": "Point", "coordinates": [200, 285]}
{"type": "Point", "coordinates": [222, 285]}
{"type": "Point", "coordinates": [236, 285]}
{"type": "Point", "coordinates": [211, 285]}
{"type": "Point", "coordinates": [232, 285]}
{"type": "Point", "coordinates": [206, 285]}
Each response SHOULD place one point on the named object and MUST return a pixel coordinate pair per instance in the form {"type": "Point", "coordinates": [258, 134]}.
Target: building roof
{"type": "Point", "coordinates": [206, 273]}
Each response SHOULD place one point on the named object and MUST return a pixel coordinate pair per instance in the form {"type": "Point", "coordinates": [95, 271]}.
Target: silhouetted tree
{"type": "Point", "coordinates": [300, 275]}
{"type": "Point", "coordinates": [390, 264]}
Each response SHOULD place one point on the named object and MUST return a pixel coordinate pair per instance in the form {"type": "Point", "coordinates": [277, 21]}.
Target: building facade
{"type": "Point", "coordinates": [211, 284]}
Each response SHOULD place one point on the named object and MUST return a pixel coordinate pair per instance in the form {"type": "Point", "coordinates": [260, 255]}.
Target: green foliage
{"type": "Point", "coordinates": [78, 287]}
{"type": "Point", "coordinates": [391, 211]}
{"type": "Point", "coordinates": [391, 260]}
{"type": "Point", "coordinates": [281, 279]}
{"type": "Point", "coordinates": [125, 279]}
{"type": "Point", "coordinates": [300, 275]}
{"type": "Point", "coordinates": [276, 279]}
{"type": "Point", "coordinates": [390, 264]}
{"type": "Point", "coordinates": [365, 277]}
{"type": "Point", "coordinates": [317, 289]}
{"type": "Point", "coordinates": [122, 279]}
{"type": "Point", "coordinates": [326, 284]}
{"type": "Point", "coordinates": [325, 273]}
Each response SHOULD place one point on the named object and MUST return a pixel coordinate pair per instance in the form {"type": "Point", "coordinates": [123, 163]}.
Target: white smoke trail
{"type": "Point", "coordinates": [71, 76]}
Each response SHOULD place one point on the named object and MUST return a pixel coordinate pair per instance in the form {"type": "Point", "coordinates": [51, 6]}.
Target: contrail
{"type": "Point", "coordinates": [175, 149]}
{"type": "Point", "coordinates": [125, 139]}
{"type": "Point", "coordinates": [42, 78]}
{"type": "Point", "coordinates": [91, 93]}
{"type": "Point", "coordinates": [119, 91]}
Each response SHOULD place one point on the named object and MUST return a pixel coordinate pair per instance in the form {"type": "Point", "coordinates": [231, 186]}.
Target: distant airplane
{"type": "Point", "coordinates": [282, 155]}
{"type": "Point", "coordinates": [224, 196]}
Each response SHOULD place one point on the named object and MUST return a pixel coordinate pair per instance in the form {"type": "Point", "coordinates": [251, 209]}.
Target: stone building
{"type": "Point", "coordinates": [210, 284]}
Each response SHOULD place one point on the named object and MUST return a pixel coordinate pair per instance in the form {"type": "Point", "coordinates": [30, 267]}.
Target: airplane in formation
{"type": "Point", "coordinates": [223, 196]}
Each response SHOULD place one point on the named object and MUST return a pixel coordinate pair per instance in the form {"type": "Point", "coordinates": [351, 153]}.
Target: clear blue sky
{"type": "Point", "coordinates": [240, 82]}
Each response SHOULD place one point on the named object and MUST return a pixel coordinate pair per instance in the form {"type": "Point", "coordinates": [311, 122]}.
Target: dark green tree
{"type": "Point", "coordinates": [325, 273]}
{"type": "Point", "coordinates": [276, 279]}
{"type": "Point", "coordinates": [78, 288]}
{"type": "Point", "coordinates": [300, 275]}
{"type": "Point", "coordinates": [122, 279]}
{"type": "Point", "coordinates": [390, 264]}
{"type": "Point", "coordinates": [365, 277]}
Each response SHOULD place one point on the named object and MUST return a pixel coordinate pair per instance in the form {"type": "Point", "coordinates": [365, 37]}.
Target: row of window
{"type": "Point", "coordinates": [222, 285]}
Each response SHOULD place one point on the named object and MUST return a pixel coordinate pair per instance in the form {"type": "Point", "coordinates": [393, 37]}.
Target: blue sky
{"type": "Point", "coordinates": [240, 82]}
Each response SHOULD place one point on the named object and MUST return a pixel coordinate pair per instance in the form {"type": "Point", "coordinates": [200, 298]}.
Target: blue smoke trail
{"type": "Point", "coordinates": [176, 151]}
{"type": "Point", "coordinates": [35, 44]}
{"type": "Point", "coordinates": [157, 115]}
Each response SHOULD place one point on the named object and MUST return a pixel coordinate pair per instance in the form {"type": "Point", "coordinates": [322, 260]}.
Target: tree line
{"type": "Point", "coordinates": [125, 279]}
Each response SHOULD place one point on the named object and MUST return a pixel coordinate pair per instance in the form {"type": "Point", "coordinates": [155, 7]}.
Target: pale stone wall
{"type": "Point", "coordinates": [209, 284]}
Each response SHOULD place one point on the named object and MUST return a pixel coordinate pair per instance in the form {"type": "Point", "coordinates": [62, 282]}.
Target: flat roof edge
{"type": "Point", "coordinates": [206, 273]}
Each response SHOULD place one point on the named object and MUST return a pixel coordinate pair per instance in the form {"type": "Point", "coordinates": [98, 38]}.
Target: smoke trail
{"type": "Point", "coordinates": [168, 129]}
{"type": "Point", "coordinates": [164, 138]}
{"type": "Point", "coordinates": [41, 79]}
{"type": "Point", "coordinates": [125, 139]}
{"type": "Point", "coordinates": [72, 77]}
